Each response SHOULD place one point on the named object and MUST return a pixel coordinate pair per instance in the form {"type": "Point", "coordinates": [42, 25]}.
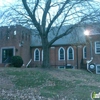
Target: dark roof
{"type": "Point", "coordinates": [75, 37]}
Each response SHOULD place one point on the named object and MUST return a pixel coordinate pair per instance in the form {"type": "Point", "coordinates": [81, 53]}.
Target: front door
{"type": "Point", "coordinates": [6, 55]}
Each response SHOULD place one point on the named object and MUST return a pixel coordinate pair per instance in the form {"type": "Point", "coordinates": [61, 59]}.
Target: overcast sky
{"type": "Point", "coordinates": [6, 2]}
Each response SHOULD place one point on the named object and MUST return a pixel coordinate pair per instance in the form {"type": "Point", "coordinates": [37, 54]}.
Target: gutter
{"type": "Point", "coordinates": [89, 61]}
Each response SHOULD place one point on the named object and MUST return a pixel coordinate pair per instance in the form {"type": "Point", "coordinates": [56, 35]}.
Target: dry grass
{"type": "Point", "coordinates": [47, 84]}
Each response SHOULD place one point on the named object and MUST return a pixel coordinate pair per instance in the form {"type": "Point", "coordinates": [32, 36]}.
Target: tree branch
{"type": "Point", "coordinates": [64, 19]}
{"type": "Point", "coordinates": [47, 7]}
{"type": "Point", "coordinates": [32, 16]}
{"type": "Point", "coordinates": [35, 7]}
{"type": "Point", "coordinates": [57, 15]}
{"type": "Point", "coordinates": [63, 34]}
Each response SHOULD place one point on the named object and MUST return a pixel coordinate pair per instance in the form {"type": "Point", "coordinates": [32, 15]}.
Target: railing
{"type": "Point", "coordinates": [28, 63]}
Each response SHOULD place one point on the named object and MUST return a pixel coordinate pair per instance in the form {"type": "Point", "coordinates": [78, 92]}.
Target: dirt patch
{"type": "Point", "coordinates": [5, 81]}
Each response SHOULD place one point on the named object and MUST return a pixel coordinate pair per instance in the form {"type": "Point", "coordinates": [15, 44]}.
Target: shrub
{"type": "Point", "coordinates": [16, 61]}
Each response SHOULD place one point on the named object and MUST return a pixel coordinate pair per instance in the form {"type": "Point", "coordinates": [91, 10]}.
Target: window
{"type": "Point", "coordinates": [7, 54]}
{"type": "Point", "coordinates": [97, 47]}
{"type": "Point", "coordinates": [70, 53]}
{"type": "Point", "coordinates": [98, 69]}
{"type": "Point", "coordinates": [61, 54]}
{"type": "Point", "coordinates": [84, 52]}
{"type": "Point", "coordinates": [36, 55]}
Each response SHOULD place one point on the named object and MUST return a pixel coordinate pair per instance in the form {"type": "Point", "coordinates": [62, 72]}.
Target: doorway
{"type": "Point", "coordinates": [7, 54]}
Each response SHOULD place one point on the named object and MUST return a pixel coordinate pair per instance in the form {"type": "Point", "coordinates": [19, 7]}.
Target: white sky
{"type": "Point", "coordinates": [6, 2]}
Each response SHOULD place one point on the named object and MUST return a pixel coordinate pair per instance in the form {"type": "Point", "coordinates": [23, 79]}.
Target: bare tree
{"type": "Point", "coordinates": [45, 14]}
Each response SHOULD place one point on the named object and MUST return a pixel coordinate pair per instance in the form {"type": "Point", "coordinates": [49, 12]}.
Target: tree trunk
{"type": "Point", "coordinates": [46, 54]}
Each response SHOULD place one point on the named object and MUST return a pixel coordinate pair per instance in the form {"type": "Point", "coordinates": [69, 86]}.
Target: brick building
{"type": "Point", "coordinates": [75, 50]}
{"type": "Point", "coordinates": [72, 50]}
{"type": "Point", "coordinates": [14, 40]}
{"type": "Point", "coordinates": [66, 51]}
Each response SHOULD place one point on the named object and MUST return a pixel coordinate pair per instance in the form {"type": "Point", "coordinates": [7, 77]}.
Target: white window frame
{"type": "Point", "coordinates": [84, 57]}
{"type": "Point", "coordinates": [68, 53]}
{"type": "Point", "coordinates": [35, 55]}
{"type": "Point", "coordinates": [96, 48]}
{"type": "Point", "coordinates": [97, 69]}
{"type": "Point", "coordinates": [59, 53]}
{"type": "Point", "coordinates": [42, 55]}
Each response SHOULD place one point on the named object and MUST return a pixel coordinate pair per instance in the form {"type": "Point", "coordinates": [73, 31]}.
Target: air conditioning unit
{"type": "Point", "coordinates": [92, 67]}
{"type": "Point", "coordinates": [98, 69]}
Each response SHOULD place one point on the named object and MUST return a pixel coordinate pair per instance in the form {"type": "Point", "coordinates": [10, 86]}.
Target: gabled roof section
{"type": "Point", "coordinates": [73, 38]}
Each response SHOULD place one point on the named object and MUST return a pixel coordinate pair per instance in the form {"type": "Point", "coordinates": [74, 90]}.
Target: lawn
{"type": "Point", "coordinates": [47, 84]}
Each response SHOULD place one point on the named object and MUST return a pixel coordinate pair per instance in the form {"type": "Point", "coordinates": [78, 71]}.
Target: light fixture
{"type": "Point", "coordinates": [86, 32]}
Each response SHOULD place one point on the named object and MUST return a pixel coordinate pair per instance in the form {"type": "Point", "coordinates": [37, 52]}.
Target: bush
{"type": "Point", "coordinates": [16, 61]}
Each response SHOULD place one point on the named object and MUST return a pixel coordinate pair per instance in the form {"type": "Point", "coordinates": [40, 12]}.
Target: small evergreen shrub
{"type": "Point", "coordinates": [17, 61]}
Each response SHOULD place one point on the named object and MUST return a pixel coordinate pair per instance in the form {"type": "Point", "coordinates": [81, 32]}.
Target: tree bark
{"type": "Point", "coordinates": [46, 50]}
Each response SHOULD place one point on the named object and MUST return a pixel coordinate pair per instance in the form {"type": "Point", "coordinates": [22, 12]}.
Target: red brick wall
{"type": "Point", "coordinates": [8, 39]}
{"type": "Point", "coordinates": [54, 61]}
{"type": "Point", "coordinates": [78, 55]}
{"type": "Point", "coordinates": [23, 36]}
{"type": "Point", "coordinates": [96, 57]}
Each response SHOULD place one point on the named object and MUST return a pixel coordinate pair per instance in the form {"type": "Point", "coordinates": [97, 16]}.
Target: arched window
{"type": "Point", "coordinates": [61, 54]}
{"type": "Point", "coordinates": [36, 55]}
{"type": "Point", "coordinates": [70, 53]}
{"type": "Point", "coordinates": [84, 52]}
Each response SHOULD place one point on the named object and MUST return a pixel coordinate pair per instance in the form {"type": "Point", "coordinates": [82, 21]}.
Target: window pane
{"type": "Point", "coordinates": [70, 50]}
{"type": "Point", "coordinates": [98, 47]}
{"type": "Point", "coordinates": [70, 56]}
{"type": "Point", "coordinates": [36, 55]}
{"type": "Point", "coordinates": [61, 56]}
{"type": "Point", "coordinates": [70, 53]}
{"type": "Point", "coordinates": [61, 53]}
{"type": "Point", "coordinates": [84, 51]}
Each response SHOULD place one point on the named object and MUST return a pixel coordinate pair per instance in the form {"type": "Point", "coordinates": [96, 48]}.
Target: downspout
{"type": "Point", "coordinates": [89, 61]}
